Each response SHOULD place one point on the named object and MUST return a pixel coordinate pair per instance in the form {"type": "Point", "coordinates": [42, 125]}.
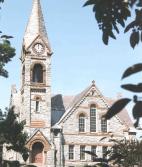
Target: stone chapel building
{"type": "Point", "coordinates": [59, 127]}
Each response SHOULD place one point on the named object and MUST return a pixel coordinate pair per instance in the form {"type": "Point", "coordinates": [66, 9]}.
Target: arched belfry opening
{"type": "Point", "coordinates": [38, 153]}
{"type": "Point", "coordinates": [37, 73]}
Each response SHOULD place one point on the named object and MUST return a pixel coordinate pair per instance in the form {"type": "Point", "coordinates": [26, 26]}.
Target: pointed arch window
{"type": "Point", "coordinates": [37, 73]}
{"type": "Point", "coordinates": [93, 118]}
{"type": "Point", "coordinates": [81, 123]}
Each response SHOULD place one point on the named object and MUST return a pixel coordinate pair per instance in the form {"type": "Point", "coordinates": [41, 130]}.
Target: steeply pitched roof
{"type": "Point", "coordinates": [35, 26]}
{"type": "Point", "coordinates": [78, 99]}
{"type": "Point", "coordinates": [71, 101]}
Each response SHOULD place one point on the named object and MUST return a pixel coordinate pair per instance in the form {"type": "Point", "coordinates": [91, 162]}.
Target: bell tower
{"type": "Point", "coordinates": [36, 74]}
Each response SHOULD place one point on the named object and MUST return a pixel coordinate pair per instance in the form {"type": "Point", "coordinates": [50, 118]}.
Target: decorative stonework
{"type": "Point", "coordinates": [38, 90]}
{"type": "Point", "coordinates": [38, 137]}
{"type": "Point", "coordinates": [37, 124]}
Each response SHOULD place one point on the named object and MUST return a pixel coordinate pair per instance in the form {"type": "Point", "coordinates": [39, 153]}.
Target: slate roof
{"type": "Point", "coordinates": [35, 26]}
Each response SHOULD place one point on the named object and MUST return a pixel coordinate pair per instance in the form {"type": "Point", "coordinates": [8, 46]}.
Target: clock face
{"type": "Point", "coordinates": [38, 48]}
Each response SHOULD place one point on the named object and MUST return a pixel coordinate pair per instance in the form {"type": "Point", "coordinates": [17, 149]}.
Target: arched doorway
{"type": "Point", "coordinates": [37, 153]}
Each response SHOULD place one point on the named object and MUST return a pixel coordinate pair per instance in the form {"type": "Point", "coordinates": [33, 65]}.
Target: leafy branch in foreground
{"type": "Point", "coordinates": [121, 103]}
{"type": "Point", "coordinates": [110, 15]}
{"type": "Point", "coordinates": [113, 14]}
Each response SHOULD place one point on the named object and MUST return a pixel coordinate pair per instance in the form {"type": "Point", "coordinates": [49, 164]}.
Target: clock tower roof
{"type": "Point", "coordinates": [35, 26]}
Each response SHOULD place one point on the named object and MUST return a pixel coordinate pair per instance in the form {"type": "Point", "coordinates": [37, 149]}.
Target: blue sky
{"type": "Point", "coordinates": [79, 54]}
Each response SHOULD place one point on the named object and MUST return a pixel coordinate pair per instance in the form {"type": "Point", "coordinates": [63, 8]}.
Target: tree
{"type": "Point", "coordinates": [11, 133]}
{"type": "Point", "coordinates": [110, 16]}
{"type": "Point", "coordinates": [7, 52]}
{"type": "Point", "coordinates": [126, 153]}
{"type": "Point", "coordinates": [123, 153]}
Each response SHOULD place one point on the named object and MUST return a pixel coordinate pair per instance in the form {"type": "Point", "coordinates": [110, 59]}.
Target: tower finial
{"type": "Point", "coordinates": [35, 26]}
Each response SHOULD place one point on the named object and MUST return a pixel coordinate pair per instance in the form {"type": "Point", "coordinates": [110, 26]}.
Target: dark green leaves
{"type": "Point", "coordinates": [131, 70]}
{"type": "Point", "coordinates": [136, 27]}
{"type": "Point", "coordinates": [89, 2]}
{"type": "Point", "coordinates": [109, 15]}
{"type": "Point", "coordinates": [134, 38]}
{"type": "Point", "coordinates": [129, 26]}
{"type": "Point", "coordinates": [137, 110]}
{"type": "Point", "coordinates": [105, 38]}
{"type": "Point", "coordinates": [6, 36]}
{"type": "Point", "coordinates": [133, 88]}
{"type": "Point", "coordinates": [6, 54]}
{"type": "Point", "coordinates": [11, 133]}
{"type": "Point", "coordinates": [116, 108]}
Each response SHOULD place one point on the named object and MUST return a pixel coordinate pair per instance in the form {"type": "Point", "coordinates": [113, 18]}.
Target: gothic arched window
{"type": "Point", "coordinates": [37, 73]}
{"type": "Point", "coordinates": [81, 123]}
{"type": "Point", "coordinates": [93, 118]}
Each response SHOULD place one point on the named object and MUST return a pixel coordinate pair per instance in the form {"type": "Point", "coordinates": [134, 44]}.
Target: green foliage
{"type": "Point", "coordinates": [11, 164]}
{"type": "Point", "coordinates": [123, 153]}
{"type": "Point", "coordinates": [126, 153]}
{"type": "Point", "coordinates": [6, 54]}
{"type": "Point", "coordinates": [11, 133]}
{"type": "Point", "coordinates": [111, 14]}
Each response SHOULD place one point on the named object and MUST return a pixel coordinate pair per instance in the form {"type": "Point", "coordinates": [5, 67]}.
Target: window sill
{"type": "Point", "coordinates": [37, 84]}
{"type": "Point", "coordinates": [82, 132]}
